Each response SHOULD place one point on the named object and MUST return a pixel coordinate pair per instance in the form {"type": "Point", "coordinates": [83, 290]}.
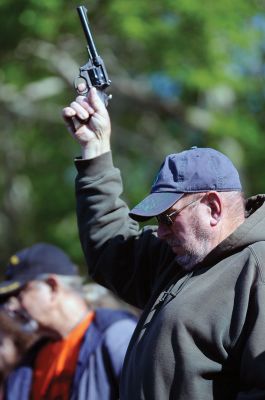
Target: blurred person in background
{"type": "Point", "coordinates": [99, 296]}
{"type": "Point", "coordinates": [15, 341]}
{"type": "Point", "coordinates": [83, 357]}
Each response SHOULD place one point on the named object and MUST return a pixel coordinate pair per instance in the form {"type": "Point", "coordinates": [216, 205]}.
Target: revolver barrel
{"type": "Point", "coordinates": [82, 12]}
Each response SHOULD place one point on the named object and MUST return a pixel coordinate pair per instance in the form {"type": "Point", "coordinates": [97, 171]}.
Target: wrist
{"type": "Point", "coordinates": [92, 151]}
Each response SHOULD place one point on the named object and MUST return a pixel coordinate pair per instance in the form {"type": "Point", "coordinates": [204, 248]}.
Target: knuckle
{"type": "Point", "coordinates": [81, 99]}
{"type": "Point", "coordinates": [73, 104]}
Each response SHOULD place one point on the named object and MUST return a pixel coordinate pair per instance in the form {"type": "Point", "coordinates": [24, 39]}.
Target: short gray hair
{"type": "Point", "coordinates": [234, 202]}
{"type": "Point", "coordinates": [70, 282]}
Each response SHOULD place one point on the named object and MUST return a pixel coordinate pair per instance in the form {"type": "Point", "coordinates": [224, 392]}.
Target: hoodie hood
{"type": "Point", "coordinates": [251, 231]}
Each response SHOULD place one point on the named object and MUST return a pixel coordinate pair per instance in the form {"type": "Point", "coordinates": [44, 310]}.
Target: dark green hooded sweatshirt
{"type": "Point", "coordinates": [201, 335]}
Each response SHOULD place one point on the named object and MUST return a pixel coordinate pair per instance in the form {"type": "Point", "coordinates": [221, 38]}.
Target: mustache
{"type": "Point", "coordinates": [173, 242]}
{"type": "Point", "coordinates": [21, 317]}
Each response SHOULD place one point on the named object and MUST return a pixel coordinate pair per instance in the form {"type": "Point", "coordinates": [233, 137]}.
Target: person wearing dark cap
{"type": "Point", "coordinates": [85, 348]}
{"type": "Point", "coordinates": [198, 275]}
{"type": "Point", "coordinates": [15, 341]}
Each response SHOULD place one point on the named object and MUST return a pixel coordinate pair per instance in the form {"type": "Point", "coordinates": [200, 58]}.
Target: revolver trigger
{"type": "Point", "coordinates": [77, 83]}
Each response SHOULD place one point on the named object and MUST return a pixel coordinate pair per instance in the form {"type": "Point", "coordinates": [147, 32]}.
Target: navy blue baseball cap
{"type": "Point", "coordinates": [27, 264]}
{"type": "Point", "coordinates": [191, 171]}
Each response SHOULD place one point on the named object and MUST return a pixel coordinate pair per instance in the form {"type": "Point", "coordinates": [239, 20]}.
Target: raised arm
{"type": "Point", "coordinates": [119, 255]}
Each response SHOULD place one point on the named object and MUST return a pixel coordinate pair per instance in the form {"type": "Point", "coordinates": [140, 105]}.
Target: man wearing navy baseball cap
{"type": "Point", "coordinates": [197, 170]}
{"type": "Point", "coordinates": [27, 264]}
{"type": "Point", "coordinates": [198, 274]}
{"type": "Point", "coordinates": [83, 355]}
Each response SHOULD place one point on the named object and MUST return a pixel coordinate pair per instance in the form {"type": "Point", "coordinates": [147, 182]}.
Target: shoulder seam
{"type": "Point", "coordinates": [258, 263]}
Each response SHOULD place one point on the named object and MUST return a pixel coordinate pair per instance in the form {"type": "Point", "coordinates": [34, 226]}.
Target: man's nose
{"type": "Point", "coordinates": [12, 304]}
{"type": "Point", "coordinates": [163, 231]}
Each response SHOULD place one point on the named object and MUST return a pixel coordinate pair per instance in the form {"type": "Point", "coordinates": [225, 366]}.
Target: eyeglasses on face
{"type": "Point", "coordinates": [166, 219]}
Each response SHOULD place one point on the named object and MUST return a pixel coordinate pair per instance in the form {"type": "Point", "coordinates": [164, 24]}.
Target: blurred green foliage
{"type": "Point", "coordinates": [183, 73]}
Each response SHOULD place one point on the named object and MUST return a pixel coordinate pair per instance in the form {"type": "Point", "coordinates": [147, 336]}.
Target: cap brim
{"type": "Point", "coordinates": [9, 287]}
{"type": "Point", "coordinates": [154, 204]}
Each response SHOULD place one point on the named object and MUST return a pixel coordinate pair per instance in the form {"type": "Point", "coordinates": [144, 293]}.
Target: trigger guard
{"type": "Point", "coordinates": [81, 80]}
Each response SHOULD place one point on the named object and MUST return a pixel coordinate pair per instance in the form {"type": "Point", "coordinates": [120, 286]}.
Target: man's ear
{"type": "Point", "coordinates": [52, 282]}
{"type": "Point", "coordinates": [215, 205]}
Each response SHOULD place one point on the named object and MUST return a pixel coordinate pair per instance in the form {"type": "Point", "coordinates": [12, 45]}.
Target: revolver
{"type": "Point", "coordinates": [93, 73]}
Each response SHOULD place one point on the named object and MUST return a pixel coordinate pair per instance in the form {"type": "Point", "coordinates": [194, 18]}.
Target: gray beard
{"type": "Point", "coordinates": [191, 258]}
{"type": "Point", "coordinates": [189, 261]}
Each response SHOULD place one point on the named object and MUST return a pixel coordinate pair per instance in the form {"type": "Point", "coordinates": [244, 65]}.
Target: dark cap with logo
{"type": "Point", "coordinates": [31, 262]}
{"type": "Point", "coordinates": [191, 171]}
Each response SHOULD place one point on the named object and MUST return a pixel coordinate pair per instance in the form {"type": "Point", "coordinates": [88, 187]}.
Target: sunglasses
{"type": "Point", "coordinates": [166, 219]}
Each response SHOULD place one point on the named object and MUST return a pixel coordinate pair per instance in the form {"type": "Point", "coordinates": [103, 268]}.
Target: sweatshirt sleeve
{"type": "Point", "coordinates": [119, 255]}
